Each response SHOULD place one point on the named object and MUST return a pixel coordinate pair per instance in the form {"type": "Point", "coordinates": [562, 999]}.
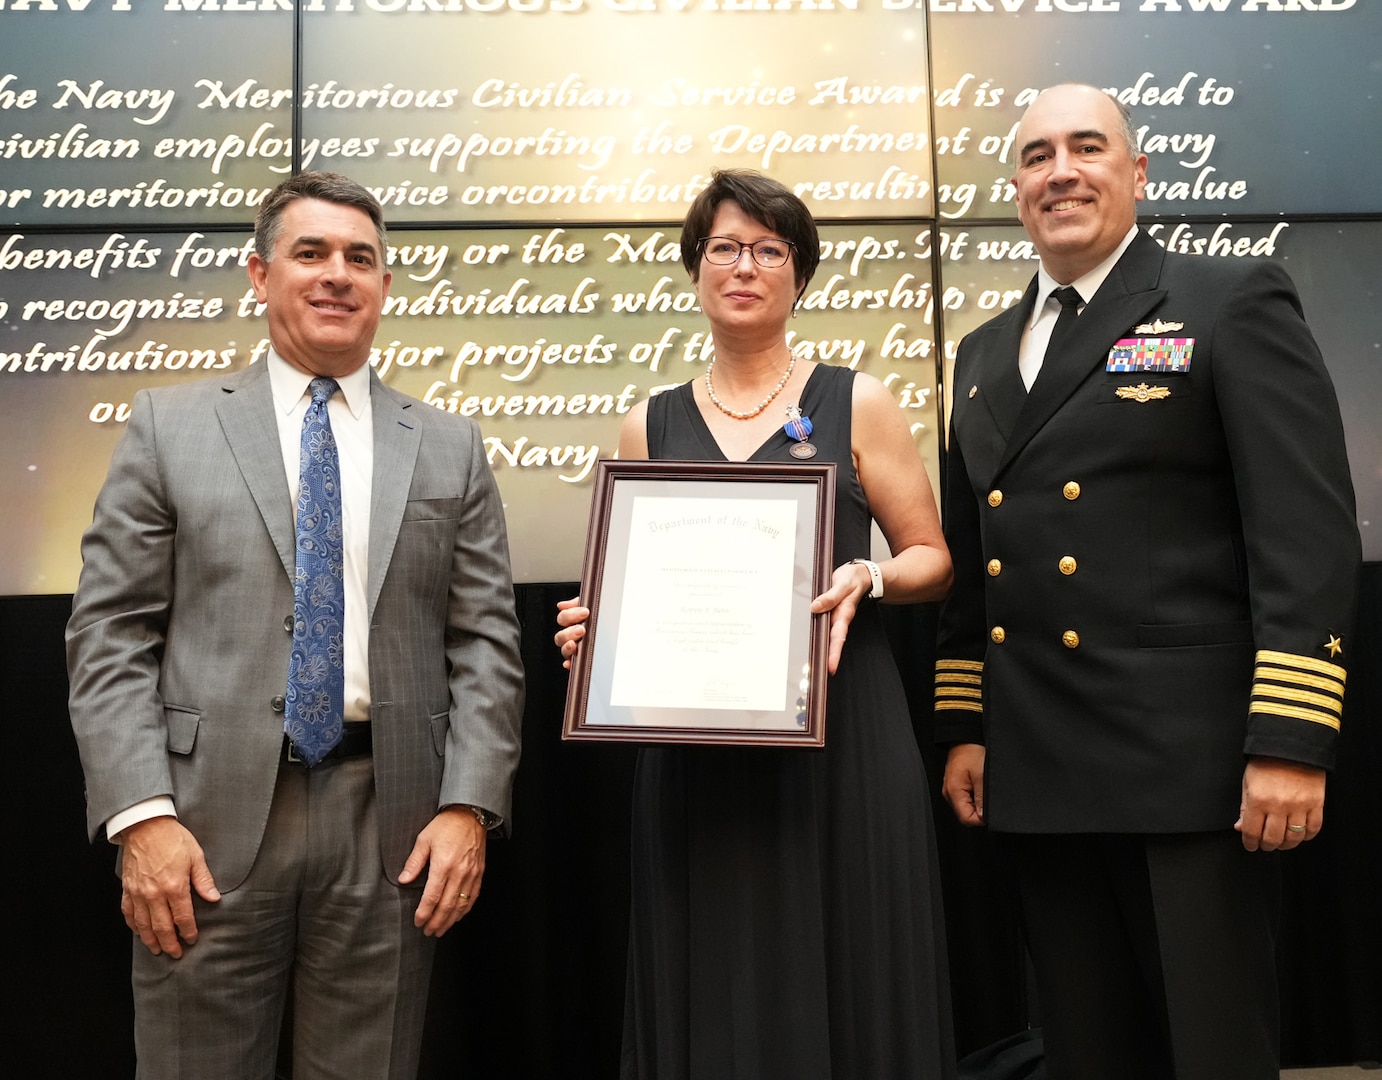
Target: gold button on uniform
{"type": "Point", "coordinates": [995, 568]}
{"type": "Point", "coordinates": [1071, 491]}
{"type": "Point", "coordinates": [995, 497]}
{"type": "Point", "coordinates": [997, 635]}
{"type": "Point", "coordinates": [1067, 565]}
{"type": "Point", "coordinates": [1070, 639]}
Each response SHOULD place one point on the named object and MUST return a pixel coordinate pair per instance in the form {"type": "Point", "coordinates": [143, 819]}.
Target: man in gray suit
{"type": "Point", "coordinates": [245, 869]}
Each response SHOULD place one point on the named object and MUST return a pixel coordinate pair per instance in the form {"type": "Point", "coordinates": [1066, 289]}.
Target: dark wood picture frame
{"type": "Point", "coordinates": [740, 551]}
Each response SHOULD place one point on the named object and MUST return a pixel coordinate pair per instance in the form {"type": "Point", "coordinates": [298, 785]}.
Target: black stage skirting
{"type": "Point", "coordinates": [531, 984]}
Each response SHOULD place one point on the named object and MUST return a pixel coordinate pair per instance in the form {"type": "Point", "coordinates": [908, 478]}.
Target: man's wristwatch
{"type": "Point", "coordinates": [483, 816]}
{"type": "Point", "coordinates": [875, 575]}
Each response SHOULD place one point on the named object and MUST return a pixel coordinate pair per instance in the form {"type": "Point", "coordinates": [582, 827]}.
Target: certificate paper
{"type": "Point", "coordinates": [707, 623]}
{"type": "Point", "coordinates": [699, 578]}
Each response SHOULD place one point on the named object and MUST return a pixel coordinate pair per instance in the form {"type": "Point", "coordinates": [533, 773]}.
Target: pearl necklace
{"type": "Point", "coordinates": [710, 390]}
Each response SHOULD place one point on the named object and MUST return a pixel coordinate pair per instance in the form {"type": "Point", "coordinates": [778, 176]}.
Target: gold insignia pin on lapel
{"type": "Point", "coordinates": [1335, 645]}
{"type": "Point", "coordinates": [1157, 327]}
{"type": "Point", "coordinates": [973, 390]}
{"type": "Point", "coordinates": [1143, 392]}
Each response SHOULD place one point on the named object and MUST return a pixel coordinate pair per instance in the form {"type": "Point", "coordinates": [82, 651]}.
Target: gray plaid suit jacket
{"type": "Point", "coordinates": [178, 647]}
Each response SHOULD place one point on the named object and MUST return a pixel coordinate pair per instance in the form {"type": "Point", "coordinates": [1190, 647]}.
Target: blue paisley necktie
{"type": "Point", "coordinates": [314, 708]}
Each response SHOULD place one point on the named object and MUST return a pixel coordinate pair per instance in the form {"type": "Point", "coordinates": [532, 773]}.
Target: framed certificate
{"type": "Point", "coordinates": [699, 578]}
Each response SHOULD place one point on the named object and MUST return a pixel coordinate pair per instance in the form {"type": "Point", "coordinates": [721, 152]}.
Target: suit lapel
{"type": "Point", "coordinates": [1126, 295]}
{"type": "Point", "coordinates": [396, 441]}
{"type": "Point", "coordinates": [1000, 384]}
{"type": "Point", "coordinates": [246, 412]}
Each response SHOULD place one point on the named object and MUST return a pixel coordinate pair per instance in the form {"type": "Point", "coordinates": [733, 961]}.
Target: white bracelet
{"type": "Point", "coordinates": [876, 593]}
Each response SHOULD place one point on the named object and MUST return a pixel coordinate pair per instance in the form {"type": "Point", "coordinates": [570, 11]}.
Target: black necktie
{"type": "Point", "coordinates": [1070, 302]}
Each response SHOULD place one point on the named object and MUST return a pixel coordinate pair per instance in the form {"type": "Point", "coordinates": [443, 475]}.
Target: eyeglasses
{"type": "Point", "coordinates": [723, 251]}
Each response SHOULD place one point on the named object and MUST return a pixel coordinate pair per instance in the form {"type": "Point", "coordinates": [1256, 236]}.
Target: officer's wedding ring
{"type": "Point", "coordinates": [1296, 828]}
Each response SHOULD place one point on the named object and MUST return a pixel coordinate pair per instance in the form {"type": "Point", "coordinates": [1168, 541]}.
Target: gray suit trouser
{"type": "Point", "coordinates": [316, 912]}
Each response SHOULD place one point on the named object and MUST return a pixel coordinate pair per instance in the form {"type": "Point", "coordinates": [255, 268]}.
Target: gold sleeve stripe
{"type": "Point", "coordinates": [1300, 678]}
{"type": "Point", "coordinates": [959, 685]}
{"type": "Point", "coordinates": [1308, 663]}
{"type": "Point", "coordinates": [1334, 705]}
{"type": "Point", "coordinates": [1273, 709]}
{"type": "Point", "coordinates": [958, 692]}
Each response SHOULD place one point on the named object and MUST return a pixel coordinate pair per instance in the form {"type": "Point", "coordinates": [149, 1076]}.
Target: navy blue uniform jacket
{"type": "Point", "coordinates": [1155, 571]}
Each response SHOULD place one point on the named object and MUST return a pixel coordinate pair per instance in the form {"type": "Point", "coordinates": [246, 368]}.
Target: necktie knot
{"type": "Point", "coordinates": [322, 388]}
{"type": "Point", "coordinates": [1068, 298]}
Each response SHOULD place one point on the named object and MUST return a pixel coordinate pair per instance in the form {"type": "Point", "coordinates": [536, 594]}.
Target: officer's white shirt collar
{"type": "Point", "coordinates": [1086, 286]}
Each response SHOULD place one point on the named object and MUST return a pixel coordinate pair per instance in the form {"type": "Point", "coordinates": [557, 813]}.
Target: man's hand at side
{"type": "Point", "coordinates": [452, 851]}
{"type": "Point", "coordinates": [161, 864]}
{"type": "Point", "coordinates": [963, 785]}
{"type": "Point", "coordinates": [1283, 804]}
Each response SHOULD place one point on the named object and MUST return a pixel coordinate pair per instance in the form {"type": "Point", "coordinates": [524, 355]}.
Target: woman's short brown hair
{"type": "Point", "coordinates": [765, 200]}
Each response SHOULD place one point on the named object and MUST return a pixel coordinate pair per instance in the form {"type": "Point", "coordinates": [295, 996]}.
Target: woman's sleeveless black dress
{"type": "Point", "coordinates": [786, 917]}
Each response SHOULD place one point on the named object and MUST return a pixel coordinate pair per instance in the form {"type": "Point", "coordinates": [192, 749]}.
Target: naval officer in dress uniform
{"type": "Point", "coordinates": [1142, 659]}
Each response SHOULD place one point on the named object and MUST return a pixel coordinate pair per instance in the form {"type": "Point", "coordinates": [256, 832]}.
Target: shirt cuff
{"type": "Point", "coordinates": [158, 806]}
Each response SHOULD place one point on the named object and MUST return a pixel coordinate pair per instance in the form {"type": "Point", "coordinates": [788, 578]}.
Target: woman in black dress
{"type": "Point", "coordinates": [786, 918]}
